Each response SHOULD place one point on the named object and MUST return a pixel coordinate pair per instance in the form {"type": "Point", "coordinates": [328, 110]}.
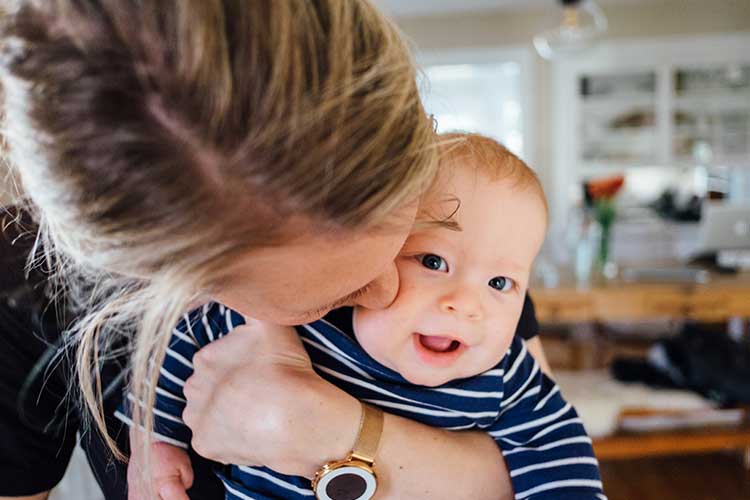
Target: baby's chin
{"type": "Point", "coordinates": [437, 377]}
{"type": "Point", "coordinates": [427, 379]}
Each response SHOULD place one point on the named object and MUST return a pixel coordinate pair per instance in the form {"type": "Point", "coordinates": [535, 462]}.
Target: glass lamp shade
{"type": "Point", "coordinates": [583, 23]}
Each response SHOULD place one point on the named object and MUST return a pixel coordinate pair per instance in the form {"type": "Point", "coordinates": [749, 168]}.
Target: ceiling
{"type": "Point", "coordinates": [409, 8]}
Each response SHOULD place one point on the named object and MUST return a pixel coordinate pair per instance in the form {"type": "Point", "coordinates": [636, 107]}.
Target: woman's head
{"type": "Point", "coordinates": [301, 280]}
{"type": "Point", "coordinates": [149, 133]}
{"type": "Point", "coordinates": [167, 141]}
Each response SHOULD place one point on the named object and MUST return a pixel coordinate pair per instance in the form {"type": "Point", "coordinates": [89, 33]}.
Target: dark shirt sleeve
{"type": "Point", "coordinates": [17, 238]}
{"type": "Point", "coordinates": [37, 430]}
{"type": "Point", "coordinates": [528, 326]}
{"type": "Point", "coordinates": [197, 329]}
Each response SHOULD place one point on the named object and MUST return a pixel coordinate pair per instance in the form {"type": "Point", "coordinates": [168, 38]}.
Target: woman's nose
{"type": "Point", "coordinates": [462, 302]}
{"type": "Point", "coordinates": [382, 291]}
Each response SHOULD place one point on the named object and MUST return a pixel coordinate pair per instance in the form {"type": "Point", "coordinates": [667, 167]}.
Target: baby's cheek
{"type": "Point", "coordinates": [501, 341]}
{"type": "Point", "coordinates": [374, 330]}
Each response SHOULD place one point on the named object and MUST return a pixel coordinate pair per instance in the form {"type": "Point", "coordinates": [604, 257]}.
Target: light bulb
{"type": "Point", "coordinates": [583, 22]}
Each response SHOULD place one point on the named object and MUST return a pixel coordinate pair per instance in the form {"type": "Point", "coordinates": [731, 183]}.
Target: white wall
{"type": "Point", "coordinates": [644, 18]}
{"type": "Point", "coordinates": [515, 28]}
{"type": "Point", "coordinates": [79, 482]}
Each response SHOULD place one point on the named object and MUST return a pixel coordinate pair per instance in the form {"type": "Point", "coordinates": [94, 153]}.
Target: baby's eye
{"type": "Point", "coordinates": [501, 283]}
{"type": "Point", "coordinates": [434, 262]}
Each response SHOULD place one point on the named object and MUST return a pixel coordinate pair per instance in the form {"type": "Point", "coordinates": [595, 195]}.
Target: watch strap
{"type": "Point", "coordinates": [368, 438]}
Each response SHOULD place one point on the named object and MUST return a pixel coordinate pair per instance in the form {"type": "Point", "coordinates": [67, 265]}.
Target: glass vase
{"type": "Point", "coordinates": [605, 217]}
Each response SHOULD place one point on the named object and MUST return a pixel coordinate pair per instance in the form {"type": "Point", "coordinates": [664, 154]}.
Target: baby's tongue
{"type": "Point", "coordinates": [435, 343]}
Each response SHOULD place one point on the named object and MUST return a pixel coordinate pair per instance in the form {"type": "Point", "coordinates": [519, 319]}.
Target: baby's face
{"type": "Point", "coordinates": [461, 292]}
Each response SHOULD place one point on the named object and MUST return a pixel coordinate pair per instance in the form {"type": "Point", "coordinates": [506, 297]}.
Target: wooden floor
{"type": "Point", "coordinates": [696, 477]}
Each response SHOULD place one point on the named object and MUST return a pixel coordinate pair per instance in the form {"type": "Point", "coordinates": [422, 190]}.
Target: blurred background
{"type": "Point", "coordinates": [635, 114]}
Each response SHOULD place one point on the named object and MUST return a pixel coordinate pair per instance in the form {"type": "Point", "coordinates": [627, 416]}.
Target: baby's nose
{"type": "Point", "coordinates": [464, 303]}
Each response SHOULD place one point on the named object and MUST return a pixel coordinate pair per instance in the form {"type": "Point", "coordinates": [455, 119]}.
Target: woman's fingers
{"type": "Point", "coordinates": [259, 340]}
{"type": "Point", "coordinates": [271, 408]}
{"type": "Point", "coordinates": [282, 345]}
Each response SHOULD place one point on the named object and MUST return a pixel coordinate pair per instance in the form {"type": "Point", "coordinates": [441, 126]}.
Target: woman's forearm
{"type": "Point", "coordinates": [420, 462]}
{"type": "Point", "coordinates": [272, 408]}
{"type": "Point", "coordinates": [417, 461]}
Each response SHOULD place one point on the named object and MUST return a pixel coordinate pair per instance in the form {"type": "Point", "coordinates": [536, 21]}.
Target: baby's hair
{"type": "Point", "coordinates": [490, 158]}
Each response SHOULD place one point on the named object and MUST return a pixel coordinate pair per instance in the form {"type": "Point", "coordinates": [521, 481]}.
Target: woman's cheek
{"type": "Point", "coordinates": [413, 280]}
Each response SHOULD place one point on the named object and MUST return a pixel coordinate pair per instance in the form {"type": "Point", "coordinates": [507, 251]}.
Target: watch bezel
{"type": "Point", "coordinates": [325, 475]}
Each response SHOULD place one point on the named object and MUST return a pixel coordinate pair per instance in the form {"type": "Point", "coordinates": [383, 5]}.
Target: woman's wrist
{"type": "Point", "coordinates": [418, 461]}
{"type": "Point", "coordinates": [338, 416]}
{"type": "Point", "coordinates": [411, 460]}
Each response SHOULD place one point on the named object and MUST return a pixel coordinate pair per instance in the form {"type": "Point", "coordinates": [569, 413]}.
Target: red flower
{"type": "Point", "coordinates": [605, 188]}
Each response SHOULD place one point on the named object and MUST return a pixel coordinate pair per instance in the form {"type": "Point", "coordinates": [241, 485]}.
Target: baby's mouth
{"type": "Point", "coordinates": [437, 350]}
{"type": "Point", "coordinates": [437, 343]}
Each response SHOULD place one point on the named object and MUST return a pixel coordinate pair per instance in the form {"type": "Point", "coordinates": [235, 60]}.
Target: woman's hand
{"type": "Point", "coordinates": [254, 399]}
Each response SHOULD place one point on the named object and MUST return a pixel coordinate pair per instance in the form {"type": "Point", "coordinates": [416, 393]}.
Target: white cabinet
{"type": "Point", "coordinates": [711, 113]}
{"type": "Point", "coordinates": [617, 118]}
{"type": "Point", "coordinates": [671, 102]}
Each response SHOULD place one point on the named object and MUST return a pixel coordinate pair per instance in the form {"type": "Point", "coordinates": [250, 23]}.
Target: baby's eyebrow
{"type": "Point", "coordinates": [502, 262]}
{"type": "Point", "coordinates": [422, 224]}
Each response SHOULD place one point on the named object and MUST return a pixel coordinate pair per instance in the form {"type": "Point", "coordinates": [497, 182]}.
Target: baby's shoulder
{"type": "Point", "coordinates": [209, 322]}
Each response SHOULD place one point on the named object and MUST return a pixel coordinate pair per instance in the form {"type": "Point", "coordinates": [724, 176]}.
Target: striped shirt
{"type": "Point", "coordinates": [545, 446]}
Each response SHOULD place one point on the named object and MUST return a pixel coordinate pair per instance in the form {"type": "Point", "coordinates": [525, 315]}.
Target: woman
{"type": "Point", "coordinates": [265, 154]}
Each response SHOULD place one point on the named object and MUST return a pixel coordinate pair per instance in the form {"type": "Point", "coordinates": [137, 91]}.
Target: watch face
{"type": "Point", "coordinates": [346, 483]}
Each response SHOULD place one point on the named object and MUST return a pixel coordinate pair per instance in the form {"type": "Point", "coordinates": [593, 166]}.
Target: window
{"type": "Point", "coordinates": [478, 97]}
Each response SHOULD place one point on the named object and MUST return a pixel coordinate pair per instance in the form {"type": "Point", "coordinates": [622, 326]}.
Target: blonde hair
{"type": "Point", "coordinates": [157, 141]}
{"type": "Point", "coordinates": [491, 158]}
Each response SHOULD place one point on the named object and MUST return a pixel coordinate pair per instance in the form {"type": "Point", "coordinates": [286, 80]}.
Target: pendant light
{"type": "Point", "coordinates": [582, 24]}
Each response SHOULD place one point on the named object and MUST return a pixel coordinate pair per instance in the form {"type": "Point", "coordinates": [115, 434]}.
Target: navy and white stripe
{"type": "Point", "coordinates": [545, 446]}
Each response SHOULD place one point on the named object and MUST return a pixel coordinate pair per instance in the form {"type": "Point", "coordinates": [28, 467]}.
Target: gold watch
{"type": "Point", "coordinates": [353, 478]}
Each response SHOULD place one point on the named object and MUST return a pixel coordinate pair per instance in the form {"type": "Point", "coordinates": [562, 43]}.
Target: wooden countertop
{"type": "Point", "coordinates": [628, 446]}
{"type": "Point", "coordinates": [722, 297]}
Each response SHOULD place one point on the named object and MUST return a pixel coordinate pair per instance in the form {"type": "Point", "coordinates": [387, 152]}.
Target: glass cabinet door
{"type": "Point", "coordinates": [618, 118]}
{"type": "Point", "coordinates": [711, 118]}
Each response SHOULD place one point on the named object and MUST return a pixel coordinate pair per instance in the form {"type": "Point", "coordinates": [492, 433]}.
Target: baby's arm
{"type": "Point", "coordinates": [201, 327]}
{"type": "Point", "coordinates": [170, 471]}
{"type": "Point", "coordinates": [545, 446]}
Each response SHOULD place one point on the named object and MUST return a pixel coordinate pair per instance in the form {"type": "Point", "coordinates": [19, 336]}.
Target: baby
{"type": "Point", "coordinates": [444, 353]}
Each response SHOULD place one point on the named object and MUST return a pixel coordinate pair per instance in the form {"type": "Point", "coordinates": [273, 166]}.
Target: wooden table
{"type": "Point", "coordinates": [721, 298]}
{"type": "Point", "coordinates": [629, 446]}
